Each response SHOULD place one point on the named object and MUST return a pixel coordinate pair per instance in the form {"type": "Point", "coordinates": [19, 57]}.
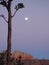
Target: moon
{"type": "Point", "coordinates": [26, 18]}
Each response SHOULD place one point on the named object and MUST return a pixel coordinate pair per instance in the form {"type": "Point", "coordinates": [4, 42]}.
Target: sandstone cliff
{"type": "Point", "coordinates": [24, 56]}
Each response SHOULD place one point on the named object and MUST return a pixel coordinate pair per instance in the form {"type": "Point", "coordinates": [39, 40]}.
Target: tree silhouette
{"type": "Point", "coordinates": [7, 4]}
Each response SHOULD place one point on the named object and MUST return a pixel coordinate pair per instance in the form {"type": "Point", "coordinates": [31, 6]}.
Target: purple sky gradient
{"type": "Point", "coordinates": [30, 36]}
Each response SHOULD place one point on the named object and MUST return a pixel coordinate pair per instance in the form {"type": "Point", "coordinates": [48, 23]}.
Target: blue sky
{"type": "Point", "coordinates": [30, 36]}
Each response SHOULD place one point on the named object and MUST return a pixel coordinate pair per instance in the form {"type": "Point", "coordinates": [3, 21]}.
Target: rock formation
{"type": "Point", "coordinates": [23, 55]}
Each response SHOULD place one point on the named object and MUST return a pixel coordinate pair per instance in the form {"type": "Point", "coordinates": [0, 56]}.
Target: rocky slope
{"type": "Point", "coordinates": [24, 56]}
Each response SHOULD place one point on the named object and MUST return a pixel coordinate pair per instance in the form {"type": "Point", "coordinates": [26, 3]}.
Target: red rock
{"type": "Point", "coordinates": [24, 56]}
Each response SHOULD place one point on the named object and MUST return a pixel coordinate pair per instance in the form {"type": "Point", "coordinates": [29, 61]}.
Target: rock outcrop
{"type": "Point", "coordinates": [24, 56]}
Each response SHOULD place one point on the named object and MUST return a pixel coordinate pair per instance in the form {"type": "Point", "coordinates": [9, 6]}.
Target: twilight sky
{"type": "Point", "coordinates": [31, 36]}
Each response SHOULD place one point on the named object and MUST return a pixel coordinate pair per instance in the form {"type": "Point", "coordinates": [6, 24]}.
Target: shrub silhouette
{"type": "Point", "coordinates": [1, 61]}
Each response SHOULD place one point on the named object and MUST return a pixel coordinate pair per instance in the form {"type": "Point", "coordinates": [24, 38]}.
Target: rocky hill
{"type": "Point", "coordinates": [24, 56]}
